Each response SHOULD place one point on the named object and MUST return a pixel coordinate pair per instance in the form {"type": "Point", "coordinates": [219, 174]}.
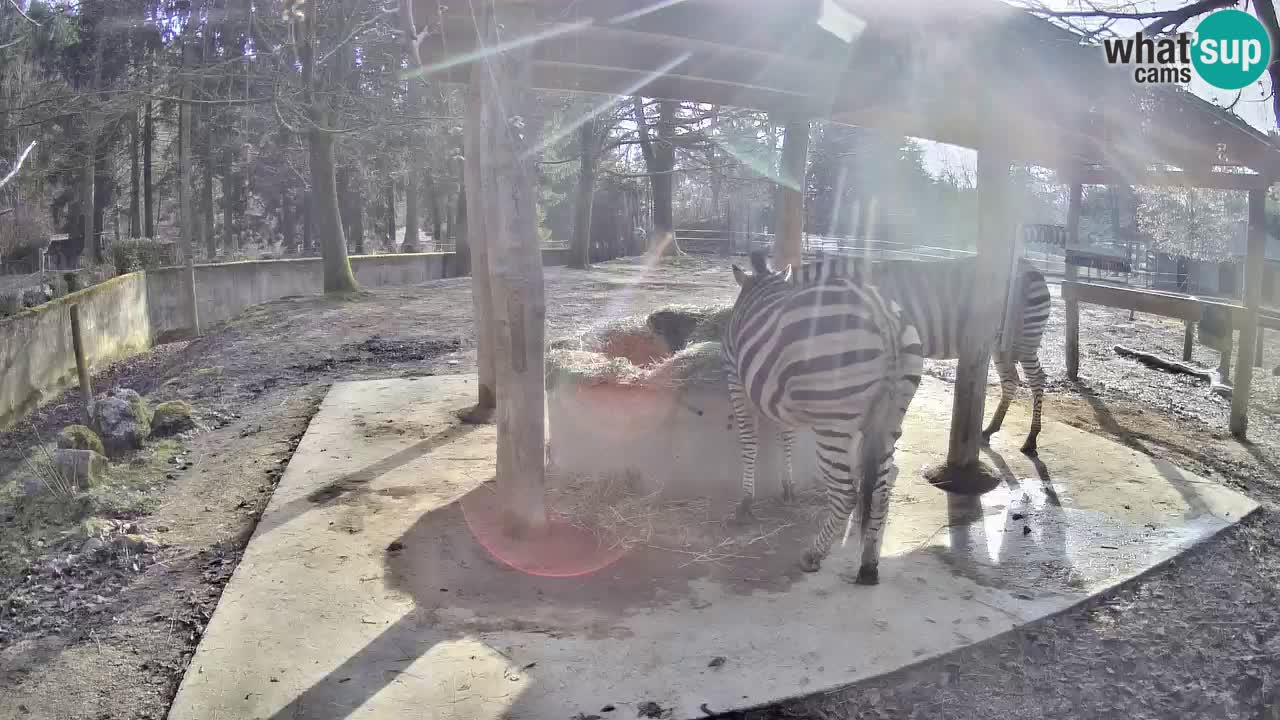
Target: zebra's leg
{"type": "Point", "coordinates": [788, 437]}
{"type": "Point", "coordinates": [837, 453]}
{"type": "Point", "coordinates": [1035, 378]}
{"type": "Point", "coordinates": [1008, 389]}
{"type": "Point", "coordinates": [879, 472]}
{"type": "Point", "coordinates": [748, 443]}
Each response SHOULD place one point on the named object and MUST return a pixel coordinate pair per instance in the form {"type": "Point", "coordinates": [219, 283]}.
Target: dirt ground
{"type": "Point", "coordinates": [1199, 638]}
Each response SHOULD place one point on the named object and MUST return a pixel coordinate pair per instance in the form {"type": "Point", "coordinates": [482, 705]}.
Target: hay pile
{"type": "Point", "coordinates": [680, 325]}
{"type": "Point", "coordinates": [697, 364]}
{"type": "Point", "coordinates": [582, 367]}
{"type": "Point", "coordinates": [638, 350]}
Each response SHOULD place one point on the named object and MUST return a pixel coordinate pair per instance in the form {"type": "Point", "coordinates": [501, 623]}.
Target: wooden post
{"type": "Point", "coordinates": [1257, 347]}
{"type": "Point", "coordinates": [514, 256]}
{"type": "Point", "coordinates": [1069, 274]}
{"type": "Point", "coordinates": [789, 243]}
{"type": "Point", "coordinates": [82, 365]}
{"type": "Point", "coordinates": [1254, 262]}
{"type": "Point", "coordinates": [995, 249]}
{"type": "Point", "coordinates": [1188, 339]}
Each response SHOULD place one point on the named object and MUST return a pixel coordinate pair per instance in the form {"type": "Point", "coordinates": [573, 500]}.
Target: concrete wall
{"type": "Point", "coordinates": [36, 357]}
{"type": "Point", "coordinates": [223, 290]}
{"type": "Point", "coordinates": [128, 314]}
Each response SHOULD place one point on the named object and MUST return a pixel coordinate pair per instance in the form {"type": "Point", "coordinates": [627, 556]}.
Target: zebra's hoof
{"type": "Point", "coordinates": [811, 562]}
{"type": "Point", "coordinates": [1029, 448]}
{"type": "Point", "coordinates": [986, 436]}
{"type": "Point", "coordinates": [868, 575]}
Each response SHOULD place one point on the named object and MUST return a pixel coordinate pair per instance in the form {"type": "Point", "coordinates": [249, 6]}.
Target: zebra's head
{"type": "Point", "coordinates": [760, 271]}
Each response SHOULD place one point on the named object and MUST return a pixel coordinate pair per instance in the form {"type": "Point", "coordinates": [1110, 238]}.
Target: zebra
{"type": "Point", "coordinates": [934, 295]}
{"type": "Point", "coordinates": [836, 357]}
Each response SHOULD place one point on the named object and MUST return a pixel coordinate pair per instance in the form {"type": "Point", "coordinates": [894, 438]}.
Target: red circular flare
{"type": "Point", "coordinates": [560, 550]}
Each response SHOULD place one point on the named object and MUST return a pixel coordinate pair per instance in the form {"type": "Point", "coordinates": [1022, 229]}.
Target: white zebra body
{"type": "Point", "coordinates": [838, 358]}
{"type": "Point", "coordinates": [935, 296]}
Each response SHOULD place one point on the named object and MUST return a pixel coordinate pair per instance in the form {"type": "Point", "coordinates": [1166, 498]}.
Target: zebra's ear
{"type": "Point", "coordinates": [739, 275]}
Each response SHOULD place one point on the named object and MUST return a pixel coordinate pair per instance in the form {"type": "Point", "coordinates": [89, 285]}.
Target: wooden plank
{"type": "Point", "coordinates": [1072, 307]}
{"type": "Point", "coordinates": [789, 243]}
{"type": "Point", "coordinates": [506, 196]}
{"type": "Point", "coordinates": [1171, 178]}
{"type": "Point", "coordinates": [1154, 302]}
{"type": "Point", "coordinates": [1254, 262]}
{"type": "Point", "coordinates": [995, 248]}
{"type": "Point", "coordinates": [1188, 340]}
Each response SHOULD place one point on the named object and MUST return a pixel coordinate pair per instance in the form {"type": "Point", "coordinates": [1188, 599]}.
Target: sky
{"type": "Point", "coordinates": [1253, 108]}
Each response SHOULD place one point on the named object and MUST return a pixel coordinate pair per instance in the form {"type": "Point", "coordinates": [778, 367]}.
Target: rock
{"type": "Point", "coordinates": [96, 527]}
{"type": "Point", "coordinates": [171, 418]}
{"type": "Point", "coordinates": [122, 421]}
{"type": "Point", "coordinates": [33, 486]}
{"type": "Point", "coordinates": [32, 297]}
{"type": "Point", "coordinates": [82, 469]}
{"type": "Point", "coordinates": [80, 437]}
{"type": "Point", "coordinates": [136, 544]}
{"type": "Point", "coordinates": [93, 548]}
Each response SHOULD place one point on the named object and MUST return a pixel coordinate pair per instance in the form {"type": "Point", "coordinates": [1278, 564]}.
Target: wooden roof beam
{"type": "Point", "coordinates": [1170, 178]}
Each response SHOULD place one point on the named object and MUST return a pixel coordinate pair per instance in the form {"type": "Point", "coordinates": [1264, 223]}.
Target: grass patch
{"type": "Point", "coordinates": [30, 524]}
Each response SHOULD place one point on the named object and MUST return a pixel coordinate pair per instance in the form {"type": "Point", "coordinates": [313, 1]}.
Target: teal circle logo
{"type": "Point", "coordinates": [1232, 49]}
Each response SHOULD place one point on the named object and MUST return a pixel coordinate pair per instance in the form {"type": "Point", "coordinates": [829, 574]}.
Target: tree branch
{"type": "Point", "coordinates": [14, 172]}
{"type": "Point", "coordinates": [25, 16]}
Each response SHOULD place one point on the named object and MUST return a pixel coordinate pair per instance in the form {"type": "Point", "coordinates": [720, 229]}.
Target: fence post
{"type": "Point", "coordinates": [1188, 339]}
{"type": "Point", "coordinates": [82, 365]}
{"type": "Point", "coordinates": [1069, 275]}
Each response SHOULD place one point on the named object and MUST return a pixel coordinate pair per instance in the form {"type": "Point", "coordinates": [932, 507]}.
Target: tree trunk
{"type": "Point", "coordinates": [148, 193]}
{"type": "Point", "coordinates": [135, 210]}
{"type": "Point", "coordinates": [390, 192]}
{"type": "Point", "coordinates": [103, 198]}
{"type": "Point", "coordinates": [507, 197]}
{"type": "Point", "coordinates": [86, 195]}
{"type": "Point", "coordinates": [659, 159]}
{"type": "Point", "coordinates": [344, 198]}
{"type": "Point", "coordinates": [208, 227]}
{"type": "Point", "coordinates": [410, 243]}
{"type": "Point", "coordinates": [433, 201]}
{"type": "Point", "coordinates": [462, 246]}
{"type": "Point", "coordinates": [580, 257]}
{"type": "Point", "coordinates": [338, 277]}
{"type": "Point", "coordinates": [356, 204]}
{"type": "Point", "coordinates": [229, 193]}
{"type": "Point", "coordinates": [307, 244]}
{"type": "Point", "coordinates": [288, 229]}
{"type": "Point", "coordinates": [479, 241]}
{"type": "Point", "coordinates": [187, 242]}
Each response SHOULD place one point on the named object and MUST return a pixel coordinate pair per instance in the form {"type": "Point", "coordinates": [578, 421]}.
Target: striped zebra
{"type": "Point", "coordinates": [836, 357]}
{"type": "Point", "coordinates": [935, 297]}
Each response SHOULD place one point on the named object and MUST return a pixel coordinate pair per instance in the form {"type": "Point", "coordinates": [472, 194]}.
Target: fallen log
{"type": "Point", "coordinates": [1213, 377]}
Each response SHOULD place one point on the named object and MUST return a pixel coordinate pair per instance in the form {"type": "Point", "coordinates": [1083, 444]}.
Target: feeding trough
{"type": "Point", "coordinates": [646, 398]}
